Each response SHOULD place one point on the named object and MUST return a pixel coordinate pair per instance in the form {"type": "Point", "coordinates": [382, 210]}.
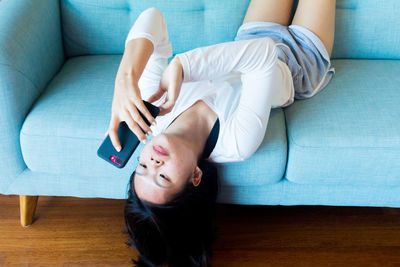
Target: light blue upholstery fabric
{"type": "Point", "coordinates": [349, 133]}
{"type": "Point", "coordinates": [30, 54]}
{"type": "Point", "coordinates": [76, 107]}
{"type": "Point", "coordinates": [367, 29]}
{"type": "Point", "coordinates": [289, 193]}
{"type": "Point", "coordinates": [282, 193]}
{"type": "Point", "coordinates": [100, 27]}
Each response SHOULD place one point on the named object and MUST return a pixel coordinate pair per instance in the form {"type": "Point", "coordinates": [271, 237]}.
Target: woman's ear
{"type": "Point", "coordinates": [197, 174]}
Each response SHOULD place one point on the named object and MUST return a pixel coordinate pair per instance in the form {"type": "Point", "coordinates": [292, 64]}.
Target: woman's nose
{"type": "Point", "coordinates": [156, 162]}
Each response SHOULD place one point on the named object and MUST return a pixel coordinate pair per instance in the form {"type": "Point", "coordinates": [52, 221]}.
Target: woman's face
{"type": "Point", "coordinates": [166, 164]}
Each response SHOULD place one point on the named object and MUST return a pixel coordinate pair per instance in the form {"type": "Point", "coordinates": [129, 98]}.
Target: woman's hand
{"type": "Point", "coordinates": [127, 103]}
{"type": "Point", "coordinates": [170, 83]}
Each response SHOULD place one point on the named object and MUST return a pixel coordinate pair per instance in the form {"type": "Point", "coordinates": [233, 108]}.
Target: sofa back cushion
{"type": "Point", "coordinates": [364, 28]}
{"type": "Point", "coordinates": [367, 29]}
{"type": "Point", "coordinates": [100, 27]}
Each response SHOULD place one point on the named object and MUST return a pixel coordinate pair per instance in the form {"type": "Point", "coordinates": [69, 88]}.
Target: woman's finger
{"type": "Point", "coordinates": [157, 95]}
{"type": "Point", "coordinates": [134, 127]}
{"type": "Point", "coordinates": [173, 93]}
{"type": "Point", "coordinates": [113, 133]}
{"type": "Point", "coordinates": [146, 113]}
{"type": "Point", "coordinates": [166, 107]}
{"type": "Point", "coordinates": [133, 112]}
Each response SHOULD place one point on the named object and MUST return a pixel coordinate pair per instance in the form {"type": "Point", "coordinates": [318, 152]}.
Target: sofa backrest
{"type": "Point", "coordinates": [101, 26]}
{"type": "Point", "coordinates": [367, 29]}
{"type": "Point", "coordinates": [364, 28]}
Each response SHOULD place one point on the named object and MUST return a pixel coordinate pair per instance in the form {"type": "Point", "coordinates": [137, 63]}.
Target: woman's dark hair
{"type": "Point", "coordinates": [180, 232]}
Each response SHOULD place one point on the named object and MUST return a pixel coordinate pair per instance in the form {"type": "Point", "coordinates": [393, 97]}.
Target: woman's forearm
{"type": "Point", "coordinates": [136, 55]}
{"type": "Point", "coordinates": [148, 34]}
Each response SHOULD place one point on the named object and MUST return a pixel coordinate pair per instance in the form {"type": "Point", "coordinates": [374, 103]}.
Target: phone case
{"type": "Point", "coordinates": [128, 141]}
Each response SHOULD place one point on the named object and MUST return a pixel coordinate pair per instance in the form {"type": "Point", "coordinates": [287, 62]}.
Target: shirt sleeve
{"type": "Point", "coordinates": [212, 62]}
{"type": "Point", "coordinates": [151, 25]}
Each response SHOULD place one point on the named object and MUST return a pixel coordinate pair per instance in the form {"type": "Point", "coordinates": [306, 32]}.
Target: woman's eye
{"type": "Point", "coordinates": [163, 176]}
{"type": "Point", "coordinates": [144, 166]}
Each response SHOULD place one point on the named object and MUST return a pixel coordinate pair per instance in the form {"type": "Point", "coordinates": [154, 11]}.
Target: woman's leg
{"type": "Point", "coordinates": [318, 17]}
{"type": "Point", "coordinates": [277, 11]}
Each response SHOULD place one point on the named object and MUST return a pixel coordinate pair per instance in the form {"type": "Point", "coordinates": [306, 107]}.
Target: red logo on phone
{"type": "Point", "coordinates": [116, 160]}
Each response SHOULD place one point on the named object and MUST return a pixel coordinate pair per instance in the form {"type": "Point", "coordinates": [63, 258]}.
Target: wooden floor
{"type": "Point", "coordinates": [71, 231]}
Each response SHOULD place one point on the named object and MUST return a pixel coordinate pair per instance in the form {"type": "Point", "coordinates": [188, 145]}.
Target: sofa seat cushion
{"type": "Point", "coordinates": [349, 133]}
{"type": "Point", "coordinates": [63, 131]}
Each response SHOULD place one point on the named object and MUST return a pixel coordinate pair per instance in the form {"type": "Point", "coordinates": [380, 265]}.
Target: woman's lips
{"type": "Point", "coordinates": [160, 151]}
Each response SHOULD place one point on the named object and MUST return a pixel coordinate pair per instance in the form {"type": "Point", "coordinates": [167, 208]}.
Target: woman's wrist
{"type": "Point", "coordinates": [127, 71]}
{"type": "Point", "coordinates": [126, 77]}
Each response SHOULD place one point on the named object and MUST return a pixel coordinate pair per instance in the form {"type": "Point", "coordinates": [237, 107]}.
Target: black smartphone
{"type": "Point", "coordinates": [128, 141]}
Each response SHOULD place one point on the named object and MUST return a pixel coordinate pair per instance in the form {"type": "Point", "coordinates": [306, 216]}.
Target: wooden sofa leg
{"type": "Point", "coordinates": [27, 207]}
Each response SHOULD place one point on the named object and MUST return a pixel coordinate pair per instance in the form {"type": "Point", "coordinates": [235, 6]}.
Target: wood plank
{"type": "Point", "coordinates": [67, 230]}
{"type": "Point", "coordinates": [90, 232]}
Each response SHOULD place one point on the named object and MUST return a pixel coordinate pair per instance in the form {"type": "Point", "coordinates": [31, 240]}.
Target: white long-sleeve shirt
{"type": "Point", "coordinates": [240, 81]}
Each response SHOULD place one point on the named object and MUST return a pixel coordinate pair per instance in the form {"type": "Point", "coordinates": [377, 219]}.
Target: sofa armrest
{"type": "Point", "coordinates": [31, 53]}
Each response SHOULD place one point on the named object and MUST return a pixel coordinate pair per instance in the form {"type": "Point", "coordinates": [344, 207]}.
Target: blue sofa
{"type": "Point", "coordinates": [58, 61]}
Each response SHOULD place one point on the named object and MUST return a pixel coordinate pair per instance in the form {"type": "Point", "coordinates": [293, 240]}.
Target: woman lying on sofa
{"type": "Point", "coordinates": [215, 104]}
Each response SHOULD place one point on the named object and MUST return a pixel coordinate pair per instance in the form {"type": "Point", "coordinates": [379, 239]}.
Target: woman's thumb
{"type": "Point", "coordinates": [166, 107]}
{"type": "Point", "coordinates": [157, 95]}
